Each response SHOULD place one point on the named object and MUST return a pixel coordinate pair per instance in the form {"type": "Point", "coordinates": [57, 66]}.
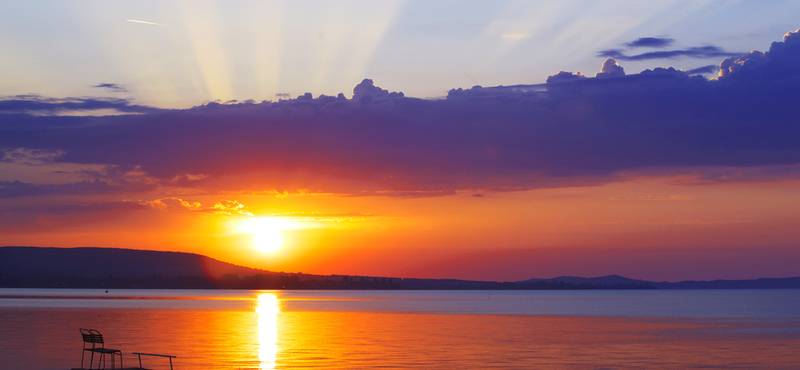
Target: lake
{"type": "Point", "coordinates": [246, 329]}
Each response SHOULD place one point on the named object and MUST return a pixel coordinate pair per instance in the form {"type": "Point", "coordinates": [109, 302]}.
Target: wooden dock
{"type": "Point", "coordinates": [122, 368]}
{"type": "Point", "coordinates": [139, 356]}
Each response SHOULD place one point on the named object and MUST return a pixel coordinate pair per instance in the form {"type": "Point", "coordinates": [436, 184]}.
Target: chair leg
{"type": "Point", "coordinates": [114, 362]}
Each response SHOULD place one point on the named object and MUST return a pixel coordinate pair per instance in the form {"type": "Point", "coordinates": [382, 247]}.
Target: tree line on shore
{"type": "Point", "coordinates": [275, 281]}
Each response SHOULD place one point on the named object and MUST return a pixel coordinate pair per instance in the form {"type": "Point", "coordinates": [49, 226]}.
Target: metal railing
{"type": "Point", "coordinates": [153, 354]}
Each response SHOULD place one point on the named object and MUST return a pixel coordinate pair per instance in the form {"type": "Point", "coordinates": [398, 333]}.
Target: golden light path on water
{"type": "Point", "coordinates": [267, 308]}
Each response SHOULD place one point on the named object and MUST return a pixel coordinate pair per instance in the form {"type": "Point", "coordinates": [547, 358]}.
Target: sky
{"type": "Point", "coordinates": [500, 141]}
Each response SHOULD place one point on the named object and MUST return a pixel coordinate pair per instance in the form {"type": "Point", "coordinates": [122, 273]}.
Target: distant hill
{"type": "Point", "coordinates": [765, 283]}
{"type": "Point", "coordinates": [36, 267]}
{"type": "Point", "coordinates": [616, 280]}
{"type": "Point", "coordinates": [104, 262]}
{"type": "Point", "coordinates": [605, 280]}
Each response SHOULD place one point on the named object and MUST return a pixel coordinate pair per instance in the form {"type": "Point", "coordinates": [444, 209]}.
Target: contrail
{"type": "Point", "coordinates": [145, 22]}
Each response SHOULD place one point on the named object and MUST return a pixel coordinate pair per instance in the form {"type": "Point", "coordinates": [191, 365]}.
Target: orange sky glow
{"type": "Point", "coordinates": [668, 222]}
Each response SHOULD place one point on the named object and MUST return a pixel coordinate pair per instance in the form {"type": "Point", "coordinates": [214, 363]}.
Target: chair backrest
{"type": "Point", "coordinates": [91, 336]}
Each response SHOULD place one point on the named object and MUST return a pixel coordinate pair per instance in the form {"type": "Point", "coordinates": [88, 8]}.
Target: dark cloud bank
{"type": "Point", "coordinates": [571, 131]}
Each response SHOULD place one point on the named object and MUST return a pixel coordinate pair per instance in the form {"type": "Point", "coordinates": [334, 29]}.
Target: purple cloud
{"type": "Point", "coordinates": [33, 218]}
{"type": "Point", "coordinates": [565, 76]}
{"type": "Point", "coordinates": [779, 63]}
{"type": "Point", "coordinates": [579, 131]}
{"type": "Point", "coordinates": [111, 87]}
{"type": "Point", "coordinates": [366, 92]}
{"type": "Point", "coordinates": [39, 104]}
{"type": "Point", "coordinates": [610, 69]}
{"type": "Point", "coordinates": [695, 52]}
{"type": "Point", "coordinates": [650, 42]}
{"type": "Point", "coordinates": [709, 69]}
{"type": "Point", "coordinates": [13, 189]}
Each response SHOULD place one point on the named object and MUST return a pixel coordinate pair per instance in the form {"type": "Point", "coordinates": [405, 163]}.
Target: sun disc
{"type": "Point", "coordinates": [266, 232]}
{"type": "Point", "coordinates": [268, 241]}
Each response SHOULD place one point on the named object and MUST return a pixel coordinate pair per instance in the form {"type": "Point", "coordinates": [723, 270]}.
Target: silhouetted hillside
{"type": "Point", "coordinates": [765, 283]}
{"type": "Point", "coordinates": [620, 281]}
{"type": "Point", "coordinates": [120, 263]}
{"type": "Point", "coordinates": [533, 284]}
{"type": "Point", "coordinates": [34, 267]}
{"type": "Point", "coordinates": [610, 280]}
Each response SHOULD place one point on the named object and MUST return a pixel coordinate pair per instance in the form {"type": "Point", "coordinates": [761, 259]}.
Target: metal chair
{"type": "Point", "coordinates": [95, 339]}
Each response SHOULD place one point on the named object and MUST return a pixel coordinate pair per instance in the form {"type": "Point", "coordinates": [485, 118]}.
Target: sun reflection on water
{"type": "Point", "coordinates": [267, 309]}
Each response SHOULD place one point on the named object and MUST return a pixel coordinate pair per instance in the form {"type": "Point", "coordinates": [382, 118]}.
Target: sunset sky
{"type": "Point", "coordinates": [501, 140]}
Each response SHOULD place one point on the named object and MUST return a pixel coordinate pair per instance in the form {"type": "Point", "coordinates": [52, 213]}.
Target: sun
{"type": "Point", "coordinates": [267, 232]}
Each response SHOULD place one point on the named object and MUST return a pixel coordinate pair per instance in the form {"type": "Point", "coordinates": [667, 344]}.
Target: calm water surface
{"type": "Point", "coordinates": [213, 329]}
